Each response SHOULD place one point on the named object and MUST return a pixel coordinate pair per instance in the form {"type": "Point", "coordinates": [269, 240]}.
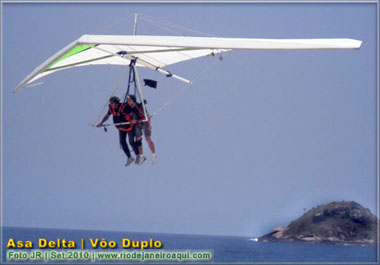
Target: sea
{"type": "Point", "coordinates": [223, 249]}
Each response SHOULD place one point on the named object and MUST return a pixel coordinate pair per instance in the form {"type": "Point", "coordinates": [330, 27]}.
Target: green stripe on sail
{"type": "Point", "coordinates": [73, 51]}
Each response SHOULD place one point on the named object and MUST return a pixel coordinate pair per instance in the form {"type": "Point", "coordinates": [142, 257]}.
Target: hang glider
{"type": "Point", "coordinates": [157, 52]}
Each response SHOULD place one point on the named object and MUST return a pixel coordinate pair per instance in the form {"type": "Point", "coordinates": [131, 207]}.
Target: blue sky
{"type": "Point", "coordinates": [259, 137]}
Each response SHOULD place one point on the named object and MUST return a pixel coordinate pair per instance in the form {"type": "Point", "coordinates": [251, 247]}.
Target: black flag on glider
{"type": "Point", "coordinates": [151, 83]}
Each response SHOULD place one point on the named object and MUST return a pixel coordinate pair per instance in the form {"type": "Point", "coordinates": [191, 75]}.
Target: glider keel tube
{"type": "Point", "coordinates": [168, 74]}
{"type": "Point", "coordinates": [162, 71]}
{"type": "Point", "coordinates": [145, 64]}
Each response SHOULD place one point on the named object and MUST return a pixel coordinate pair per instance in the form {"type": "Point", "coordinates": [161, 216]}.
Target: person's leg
{"type": "Point", "coordinates": [124, 146]}
{"type": "Point", "coordinates": [138, 135]}
{"type": "Point", "coordinates": [131, 140]}
{"type": "Point", "coordinates": [123, 143]}
{"type": "Point", "coordinates": [147, 134]}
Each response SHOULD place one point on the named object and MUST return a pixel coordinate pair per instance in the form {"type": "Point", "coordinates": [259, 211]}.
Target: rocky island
{"type": "Point", "coordinates": [345, 222]}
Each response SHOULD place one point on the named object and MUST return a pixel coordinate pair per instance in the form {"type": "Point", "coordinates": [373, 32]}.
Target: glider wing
{"type": "Point", "coordinates": [155, 52]}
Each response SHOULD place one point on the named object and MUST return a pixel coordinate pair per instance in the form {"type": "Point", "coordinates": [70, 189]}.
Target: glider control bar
{"type": "Point", "coordinates": [121, 123]}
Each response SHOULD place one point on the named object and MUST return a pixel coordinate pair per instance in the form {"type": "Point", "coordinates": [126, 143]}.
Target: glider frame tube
{"type": "Point", "coordinates": [146, 64]}
{"type": "Point", "coordinates": [44, 65]}
{"type": "Point", "coordinates": [140, 91]}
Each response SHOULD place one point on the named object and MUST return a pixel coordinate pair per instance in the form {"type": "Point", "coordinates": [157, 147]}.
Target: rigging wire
{"type": "Point", "coordinates": [170, 24]}
{"type": "Point", "coordinates": [206, 68]}
{"type": "Point", "coordinates": [113, 23]}
{"type": "Point", "coordinates": [162, 27]}
{"type": "Point", "coordinates": [113, 93]}
{"type": "Point", "coordinates": [163, 24]}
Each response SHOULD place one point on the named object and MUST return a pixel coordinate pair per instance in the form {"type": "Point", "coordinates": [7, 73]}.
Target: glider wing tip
{"type": "Point", "coordinates": [358, 44]}
{"type": "Point", "coordinates": [16, 89]}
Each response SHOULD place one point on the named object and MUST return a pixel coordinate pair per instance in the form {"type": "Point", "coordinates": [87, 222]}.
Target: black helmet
{"type": "Point", "coordinates": [133, 97]}
{"type": "Point", "coordinates": [114, 99]}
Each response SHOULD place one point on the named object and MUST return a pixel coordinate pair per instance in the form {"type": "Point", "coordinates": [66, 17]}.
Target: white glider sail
{"type": "Point", "coordinates": [156, 52]}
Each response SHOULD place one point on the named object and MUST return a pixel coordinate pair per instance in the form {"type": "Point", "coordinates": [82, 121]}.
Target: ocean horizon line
{"type": "Point", "coordinates": [125, 231]}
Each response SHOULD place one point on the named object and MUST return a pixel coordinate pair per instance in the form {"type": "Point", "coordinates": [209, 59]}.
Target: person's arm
{"type": "Point", "coordinates": [133, 117]}
{"type": "Point", "coordinates": [104, 119]}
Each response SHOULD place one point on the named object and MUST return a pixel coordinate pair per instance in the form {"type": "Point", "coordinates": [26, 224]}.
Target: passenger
{"type": "Point", "coordinates": [142, 127]}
